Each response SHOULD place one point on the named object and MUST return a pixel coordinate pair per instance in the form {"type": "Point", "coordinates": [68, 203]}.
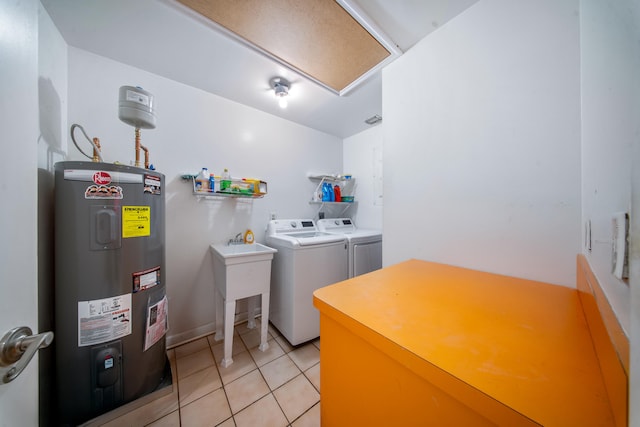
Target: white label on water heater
{"type": "Point", "coordinates": [146, 279]}
{"type": "Point", "coordinates": [157, 322]}
{"type": "Point", "coordinates": [138, 97]}
{"type": "Point", "coordinates": [103, 320]}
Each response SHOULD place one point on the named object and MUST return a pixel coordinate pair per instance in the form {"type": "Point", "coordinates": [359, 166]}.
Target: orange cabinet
{"type": "Point", "coordinates": [421, 343]}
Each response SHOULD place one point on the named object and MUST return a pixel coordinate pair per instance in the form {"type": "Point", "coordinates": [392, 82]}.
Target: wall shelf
{"type": "Point", "coordinates": [223, 194]}
{"type": "Point", "coordinates": [331, 203]}
{"type": "Point", "coordinates": [328, 178]}
{"type": "Point", "coordinates": [340, 179]}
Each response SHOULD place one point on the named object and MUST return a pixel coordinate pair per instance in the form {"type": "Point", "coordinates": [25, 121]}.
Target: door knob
{"type": "Point", "coordinates": [17, 348]}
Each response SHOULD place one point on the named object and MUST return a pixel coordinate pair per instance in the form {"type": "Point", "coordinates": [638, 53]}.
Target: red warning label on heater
{"type": "Point", "coordinates": [101, 178]}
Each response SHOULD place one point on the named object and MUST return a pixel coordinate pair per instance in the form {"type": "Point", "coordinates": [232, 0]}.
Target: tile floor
{"type": "Point", "coordinates": [276, 388]}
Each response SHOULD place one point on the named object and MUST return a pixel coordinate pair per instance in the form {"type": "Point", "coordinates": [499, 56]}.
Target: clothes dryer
{"type": "Point", "coordinates": [365, 245]}
{"type": "Point", "coordinates": [306, 260]}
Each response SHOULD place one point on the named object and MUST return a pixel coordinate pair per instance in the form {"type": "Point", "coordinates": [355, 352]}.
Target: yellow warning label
{"type": "Point", "coordinates": [136, 221]}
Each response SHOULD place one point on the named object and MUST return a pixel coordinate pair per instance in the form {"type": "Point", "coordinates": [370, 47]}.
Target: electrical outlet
{"type": "Point", "coordinates": [273, 215]}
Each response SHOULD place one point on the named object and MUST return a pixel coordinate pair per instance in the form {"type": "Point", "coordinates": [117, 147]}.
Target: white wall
{"type": "Point", "coordinates": [610, 97]}
{"type": "Point", "coordinates": [362, 156]}
{"type": "Point", "coordinates": [52, 92]}
{"type": "Point", "coordinates": [482, 141]}
{"type": "Point", "coordinates": [634, 273]}
{"type": "Point", "coordinates": [196, 129]}
{"type": "Point", "coordinates": [610, 88]}
{"type": "Point", "coordinates": [634, 267]}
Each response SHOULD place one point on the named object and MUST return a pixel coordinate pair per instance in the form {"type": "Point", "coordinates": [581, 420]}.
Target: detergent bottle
{"type": "Point", "coordinates": [202, 180]}
{"type": "Point", "coordinates": [336, 192]}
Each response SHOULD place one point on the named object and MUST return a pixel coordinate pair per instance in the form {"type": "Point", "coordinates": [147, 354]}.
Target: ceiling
{"type": "Point", "coordinates": [166, 38]}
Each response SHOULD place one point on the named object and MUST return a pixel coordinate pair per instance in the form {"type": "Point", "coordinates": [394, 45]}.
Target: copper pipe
{"type": "Point", "coordinates": [137, 147]}
{"type": "Point", "coordinates": [96, 150]}
{"type": "Point", "coordinates": [146, 156]}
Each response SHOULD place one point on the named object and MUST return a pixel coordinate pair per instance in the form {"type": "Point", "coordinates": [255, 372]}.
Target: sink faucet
{"type": "Point", "coordinates": [238, 240]}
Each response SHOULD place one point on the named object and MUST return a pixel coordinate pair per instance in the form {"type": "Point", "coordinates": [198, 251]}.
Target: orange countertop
{"type": "Point", "coordinates": [522, 343]}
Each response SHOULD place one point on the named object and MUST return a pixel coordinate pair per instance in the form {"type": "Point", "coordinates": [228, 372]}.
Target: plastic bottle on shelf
{"type": "Point", "coordinates": [202, 180]}
{"type": "Point", "coordinates": [212, 183]}
{"type": "Point", "coordinates": [336, 192]}
{"type": "Point", "coordinates": [348, 189]}
{"type": "Point", "coordinates": [325, 192]}
{"type": "Point", "coordinates": [225, 180]}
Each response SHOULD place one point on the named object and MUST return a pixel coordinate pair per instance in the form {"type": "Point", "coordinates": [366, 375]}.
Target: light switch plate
{"type": "Point", "coordinates": [587, 235]}
{"type": "Point", "coordinates": [620, 247]}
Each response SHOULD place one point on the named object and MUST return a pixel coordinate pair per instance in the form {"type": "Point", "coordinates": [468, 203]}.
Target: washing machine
{"type": "Point", "coordinates": [307, 259]}
{"type": "Point", "coordinates": [365, 245]}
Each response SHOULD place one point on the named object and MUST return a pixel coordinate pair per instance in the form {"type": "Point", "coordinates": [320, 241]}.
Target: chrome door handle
{"type": "Point", "coordinates": [17, 348]}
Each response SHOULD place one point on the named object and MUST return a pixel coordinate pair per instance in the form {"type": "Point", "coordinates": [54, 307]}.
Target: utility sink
{"type": "Point", "coordinates": [241, 271]}
{"type": "Point", "coordinates": [234, 254]}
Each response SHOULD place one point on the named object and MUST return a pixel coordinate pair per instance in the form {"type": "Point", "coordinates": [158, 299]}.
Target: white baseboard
{"type": "Point", "coordinates": [176, 340]}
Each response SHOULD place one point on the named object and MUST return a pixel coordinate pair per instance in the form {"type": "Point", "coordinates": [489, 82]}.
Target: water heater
{"type": "Point", "coordinates": [110, 299]}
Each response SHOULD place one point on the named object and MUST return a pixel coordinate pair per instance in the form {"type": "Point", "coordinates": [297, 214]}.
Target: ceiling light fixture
{"type": "Point", "coordinates": [281, 88]}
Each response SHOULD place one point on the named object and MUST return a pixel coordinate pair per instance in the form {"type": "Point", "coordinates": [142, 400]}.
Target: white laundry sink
{"type": "Point", "coordinates": [240, 271]}
{"type": "Point", "coordinates": [234, 254]}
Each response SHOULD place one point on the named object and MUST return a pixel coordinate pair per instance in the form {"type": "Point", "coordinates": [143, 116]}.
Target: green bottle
{"type": "Point", "coordinates": [225, 181]}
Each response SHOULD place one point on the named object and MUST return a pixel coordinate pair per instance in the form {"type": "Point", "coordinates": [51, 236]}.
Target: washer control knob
{"type": "Point", "coordinates": [293, 224]}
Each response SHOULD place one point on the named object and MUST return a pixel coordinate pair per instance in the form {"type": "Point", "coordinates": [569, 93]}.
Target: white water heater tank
{"type": "Point", "coordinates": [135, 107]}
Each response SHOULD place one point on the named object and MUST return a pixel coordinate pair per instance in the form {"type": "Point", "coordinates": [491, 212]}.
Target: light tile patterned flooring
{"type": "Point", "coordinates": [276, 388]}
